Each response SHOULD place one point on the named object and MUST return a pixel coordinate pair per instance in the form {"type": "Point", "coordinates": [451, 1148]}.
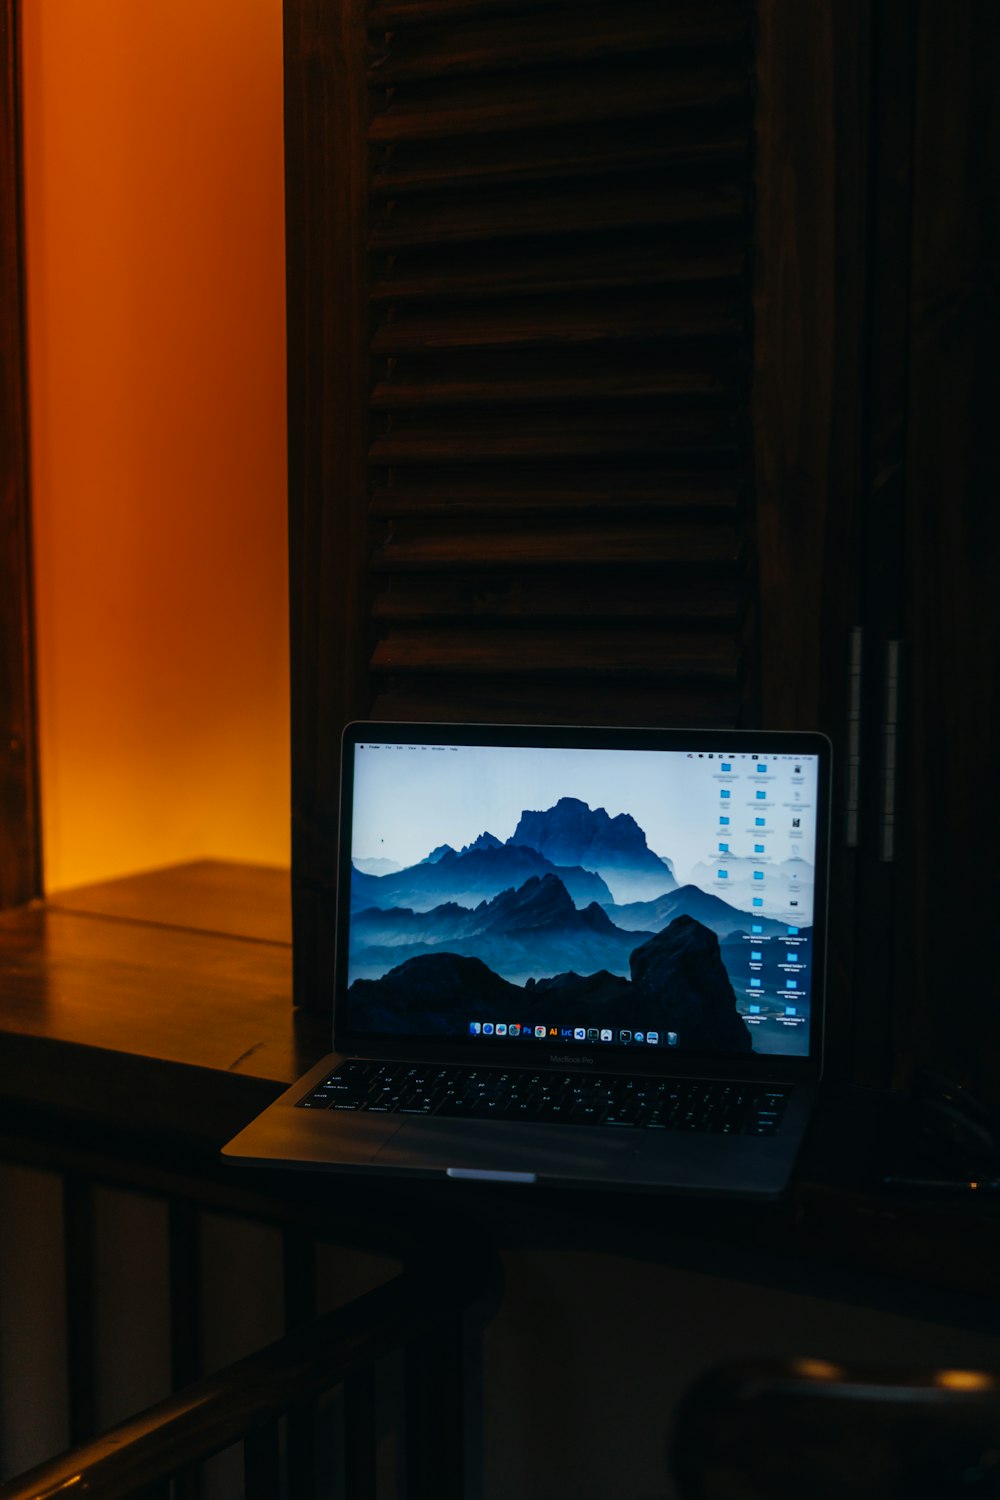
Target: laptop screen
{"type": "Point", "coordinates": [644, 891]}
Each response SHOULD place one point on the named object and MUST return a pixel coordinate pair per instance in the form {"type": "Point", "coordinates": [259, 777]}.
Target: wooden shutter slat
{"type": "Point", "coordinates": [541, 101]}
{"type": "Point", "coordinates": [389, 15]}
{"type": "Point", "coordinates": [460, 220]}
{"type": "Point", "coordinates": [643, 546]}
{"type": "Point", "coordinates": [537, 653]}
{"type": "Point", "coordinates": [486, 275]}
{"type": "Point", "coordinates": [715, 434]}
{"type": "Point", "coordinates": [711, 20]}
{"type": "Point", "coordinates": [690, 358]}
{"type": "Point", "coordinates": [543, 37]}
{"type": "Point", "coordinates": [566, 494]}
{"type": "Point", "coordinates": [562, 153]}
{"type": "Point", "coordinates": [511, 596]}
{"type": "Point", "coordinates": [552, 701]}
{"type": "Point", "coordinates": [610, 387]}
{"type": "Point", "coordinates": [561, 322]}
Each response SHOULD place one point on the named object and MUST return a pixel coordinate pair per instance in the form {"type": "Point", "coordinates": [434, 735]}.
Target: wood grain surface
{"type": "Point", "coordinates": [127, 1000]}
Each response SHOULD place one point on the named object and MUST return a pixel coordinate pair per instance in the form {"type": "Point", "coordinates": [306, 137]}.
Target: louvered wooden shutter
{"type": "Point", "coordinates": [520, 351]}
{"type": "Point", "coordinates": [559, 222]}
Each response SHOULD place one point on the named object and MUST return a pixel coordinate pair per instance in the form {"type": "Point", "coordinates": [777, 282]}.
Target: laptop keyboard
{"type": "Point", "coordinates": [610, 1100]}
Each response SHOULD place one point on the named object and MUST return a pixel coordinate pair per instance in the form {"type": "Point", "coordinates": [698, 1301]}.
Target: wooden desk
{"type": "Point", "coordinates": [121, 1000]}
{"type": "Point", "coordinates": [151, 1017]}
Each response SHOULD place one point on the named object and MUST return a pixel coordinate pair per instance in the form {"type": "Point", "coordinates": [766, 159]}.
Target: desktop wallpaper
{"type": "Point", "coordinates": [631, 897]}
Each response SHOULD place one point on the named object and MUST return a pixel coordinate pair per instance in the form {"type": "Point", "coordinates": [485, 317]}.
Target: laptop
{"type": "Point", "coordinates": [570, 956]}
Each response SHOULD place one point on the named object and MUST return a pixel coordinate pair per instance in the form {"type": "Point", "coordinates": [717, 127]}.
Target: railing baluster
{"type": "Point", "coordinates": [185, 1294]}
{"type": "Point", "coordinates": [186, 1357]}
{"type": "Point", "coordinates": [81, 1364]}
{"type": "Point", "coordinates": [262, 1463]}
{"type": "Point", "coordinates": [159, 1491]}
{"type": "Point", "coordinates": [435, 1416]}
{"type": "Point", "coordinates": [359, 1435]}
{"type": "Point", "coordinates": [299, 1269]}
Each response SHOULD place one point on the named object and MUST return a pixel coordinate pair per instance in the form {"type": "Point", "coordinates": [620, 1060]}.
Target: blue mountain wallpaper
{"type": "Point", "coordinates": [571, 923]}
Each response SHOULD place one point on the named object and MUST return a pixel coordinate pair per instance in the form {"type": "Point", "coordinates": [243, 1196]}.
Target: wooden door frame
{"type": "Point", "coordinates": [20, 825]}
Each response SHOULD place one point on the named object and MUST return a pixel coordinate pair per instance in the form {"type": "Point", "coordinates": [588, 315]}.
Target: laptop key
{"type": "Point", "coordinates": [488, 1108]}
{"type": "Point", "coordinates": [455, 1104]}
{"type": "Point", "coordinates": [586, 1114]}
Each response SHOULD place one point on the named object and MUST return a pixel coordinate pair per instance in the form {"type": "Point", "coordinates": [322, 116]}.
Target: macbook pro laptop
{"type": "Point", "coordinates": [570, 955]}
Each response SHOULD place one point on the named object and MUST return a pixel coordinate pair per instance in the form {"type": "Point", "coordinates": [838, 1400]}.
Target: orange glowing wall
{"type": "Point", "coordinates": [155, 250]}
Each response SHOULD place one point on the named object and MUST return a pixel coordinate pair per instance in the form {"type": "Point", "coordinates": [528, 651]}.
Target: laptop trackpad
{"type": "Point", "coordinates": [546, 1150]}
